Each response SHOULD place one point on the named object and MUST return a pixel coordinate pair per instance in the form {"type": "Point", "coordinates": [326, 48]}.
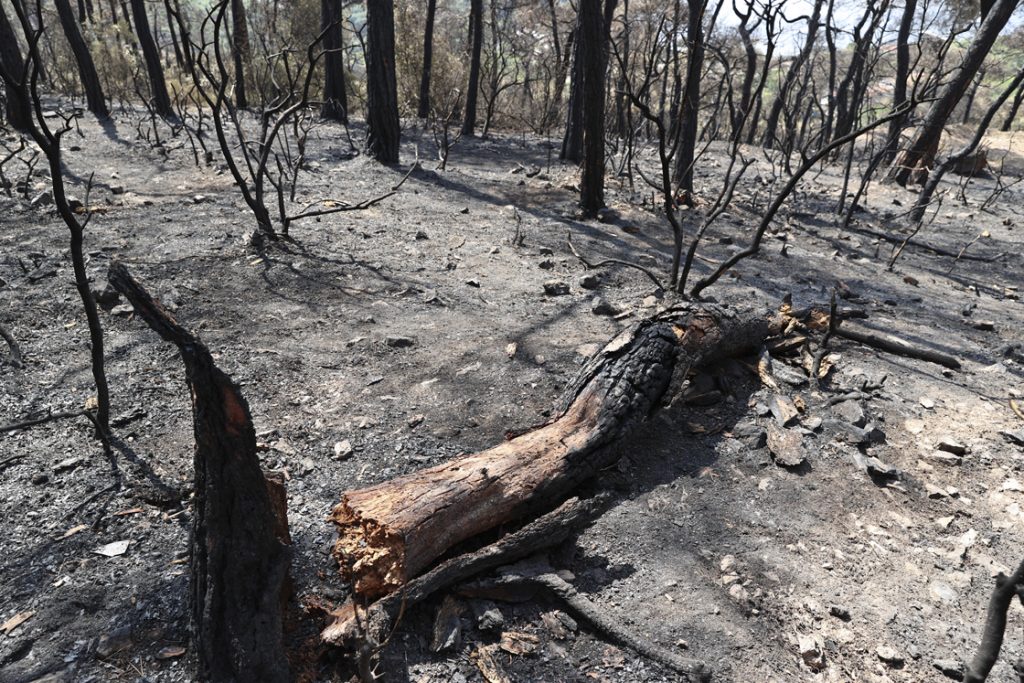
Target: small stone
{"type": "Point", "coordinates": [1016, 438]}
{"type": "Point", "coordinates": [783, 410]}
{"type": "Point", "coordinates": [199, 198]}
{"type": "Point", "coordinates": [397, 342]}
{"type": "Point", "coordinates": [889, 655]}
{"type": "Point", "coordinates": [556, 288]}
{"type": "Point", "coordinates": [1011, 485]}
{"type": "Point", "coordinates": [984, 325]}
{"type": "Point", "coordinates": [491, 620]}
{"type": "Point", "coordinates": [606, 215]}
{"type": "Point", "coordinates": [44, 198]}
{"type": "Point", "coordinates": [600, 306]}
{"type": "Point", "coordinates": [943, 592]}
{"type": "Point", "coordinates": [934, 491]}
{"type": "Point", "coordinates": [751, 435]}
{"type": "Point", "coordinates": [950, 668]}
{"type": "Point", "coordinates": [546, 251]}
{"type": "Point", "coordinates": [122, 310]}
{"type": "Point", "coordinates": [813, 423]}
{"type": "Point", "coordinates": [852, 412]}
{"type": "Point", "coordinates": [40, 479]}
{"type": "Point", "coordinates": [473, 283]}
{"type": "Point", "coordinates": [107, 297]}
{"type": "Point", "coordinates": [839, 612]}
{"type": "Point", "coordinates": [420, 235]}
{"type": "Point", "coordinates": [727, 563]}
{"type": "Point", "coordinates": [786, 447]}
{"type": "Point", "coordinates": [75, 204]}
{"type": "Point", "coordinates": [67, 465]}
{"type": "Point", "coordinates": [343, 449]}
{"type": "Point", "coordinates": [464, 210]}
{"type": "Point", "coordinates": [117, 189]}
{"type": "Point", "coordinates": [949, 445]}
{"type": "Point", "coordinates": [811, 652]}
{"type": "Point", "coordinates": [590, 281]}
{"type": "Point", "coordinates": [116, 641]}
{"type": "Point", "coordinates": [415, 421]}
{"type": "Point", "coordinates": [944, 458]}
{"type": "Point", "coordinates": [927, 402]}
{"type": "Point", "coordinates": [546, 264]}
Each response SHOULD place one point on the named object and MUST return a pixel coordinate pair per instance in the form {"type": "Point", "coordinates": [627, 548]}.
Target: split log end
{"type": "Point", "coordinates": [368, 553]}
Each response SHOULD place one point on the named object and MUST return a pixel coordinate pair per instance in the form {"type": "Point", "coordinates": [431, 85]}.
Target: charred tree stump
{"type": "Point", "coordinates": [239, 557]}
{"type": "Point", "coordinates": [389, 533]}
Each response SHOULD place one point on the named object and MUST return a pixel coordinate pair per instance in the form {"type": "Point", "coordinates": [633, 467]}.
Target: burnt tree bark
{"type": "Point", "coordinates": [476, 33]}
{"type": "Point", "coordinates": [995, 625]}
{"type": "Point", "coordinates": [335, 104]}
{"type": "Point", "coordinates": [591, 42]}
{"type": "Point", "coordinates": [391, 532]}
{"type": "Point", "coordinates": [913, 164]}
{"type": "Point", "coordinates": [157, 85]}
{"type": "Point", "coordinates": [239, 557]}
{"type": "Point", "coordinates": [572, 141]}
{"type": "Point", "coordinates": [423, 110]}
{"type": "Point", "coordinates": [239, 50]}
{"type": "Point", "coordinates": [382, 125]}
{"type": "Point", "coordinates": [1018, 99]}
{"type": "Point", "coordinates": [772, 124]}
{"type": "Point", "coordinates": [18, 115]}
{"type": "Point", "coordinates": [691, 98]}
{"type": "Point", "coordinates": [83, 58]}
{"type": "Point", "coordinates": [899, 90]}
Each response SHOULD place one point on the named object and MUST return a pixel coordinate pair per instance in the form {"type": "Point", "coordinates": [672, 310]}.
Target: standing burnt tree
{"type": "Point", "coordinates": [476, 24]}
{"type": "Point", "coordinates": [239, 50]}
{"type": "Point", "coordinates": [94, 99]}
{"type": "Point", "coordinates": [691, 98]}
{"type": "Point", "coordinates": [24, 85]}
{"type": "Point", "coordinates": [335, 104]}
{"type": "Point", "coordinates": [913, 164]}
{"type": "Point", "coordinates": [899, 89]}
{"type": "Point", "coordinates": [11, 61]}
{"type": "Point", "coordinates": [592, 53]}
{"type": "Point", "coordinates": [382, 125]}
{"type": "Point", "coordinates": [423, 110]}
{"type": "Point", "coordinates": [158, 88]}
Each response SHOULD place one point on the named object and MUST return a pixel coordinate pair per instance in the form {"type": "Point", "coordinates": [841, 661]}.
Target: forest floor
{"type": "Point", "coordinates": [818, 573]}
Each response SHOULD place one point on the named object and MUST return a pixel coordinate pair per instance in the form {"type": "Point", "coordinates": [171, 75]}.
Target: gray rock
{"type": "Point", "coordinates": [67, 465]}
{"type": "Point", "coordinates": [397, 342]}
{"type": "Point", "coordinates": [116, 641]}
{"type": "Point", "coordinates": [889, 655]}
{"type": "Point", "coordinates": [951, 445]}
{"type": "Point", "coordinates": [40, 479]}
{"type": "Point", "coordinates": [1016, 438]}
{"type": "Point", "coordinates": [752, 436]}
{"type": "Point", "coordinates": [590, 281]}
{"type": "Point", "coordinates": [123, 310]}
{"type": "Point", "coordinates": [117, 189]}
{"type": "Point", "coordinates": [107, 297]}
{"type": "Point", "coordinates": [839, 612]}
{"type": "Point", "coordinates": [852, 434]}
{"type": "Point", "coordinates": [546, 264]}
{"type": "Point", "coordinates": [556, 288]}
{"type": "Point", "coordinates": [852, 412]}
{"type": "Point", "coordinates": [44, 198]}
{"type": "Point", "coordinates": [944, 458]}
{"type": "Point", "coordinates": [491, 620]}
{"type": "Point", "coordinates": [599, 306]}
{"type": "Point", "coordinates": [950, 668]}
{"type": "Point", "coordinates": [783, 410]}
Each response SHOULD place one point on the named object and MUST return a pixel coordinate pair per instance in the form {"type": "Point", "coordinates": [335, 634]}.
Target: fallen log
{"type": "Point", "coordinates": [391, 532]}
{"type": "Point", "coordinates": [897, 346]}
{"type": "Point", "coordinates": [374, 623]}
{"type": "Point", "coordinates": [239, 557]}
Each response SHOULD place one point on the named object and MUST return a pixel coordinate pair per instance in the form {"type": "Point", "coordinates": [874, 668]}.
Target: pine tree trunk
{"type": "Point", "coordinates": [428, 61]}
{"type": "Point", "coordinates": [239, 50]}
{"type": "Point", "coordinates": [11, 60]}
{"type": "Point", "coordinates": [382, 125]}
{"type": "Point", "coordinates": [158, 88]}
{"type": "Point", "coordinates": [691, 98]}
{"type": "Point", "coordinates": [899, 91]}
{"type": "Point", "coordinates": [335, 105]}
{"type": "Point", "coordinates": [591, 25]}
{"type": "Point", "coordinates": [913, 164]}
{"type": "Point", "coordinates": [86, 69]}
{"type": "Point", "coordinates": [476, 29]}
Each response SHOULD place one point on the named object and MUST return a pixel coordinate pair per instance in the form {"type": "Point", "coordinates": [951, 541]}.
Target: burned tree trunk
{"type": "Point", "coordinates": [86, 68]}
{"type": "Point", "coordinates": [476, 34]}
{"type": "Point", "coordinates": [391, 532]}
{"type": "Point", "coordinates": [423, 110]}
{"type": "Point", "coordinates": [12, 61]}
{"type": "Point", "coordinates": [914, 163]}
{"type": "Point", "coordinates": [335, 104]}
{"type": "Point", "coordinates": [239, 560]}
{"type": "Point", "coordinates": [157, 85]}
{"type": "Point", "coordinates": [382, 125]}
